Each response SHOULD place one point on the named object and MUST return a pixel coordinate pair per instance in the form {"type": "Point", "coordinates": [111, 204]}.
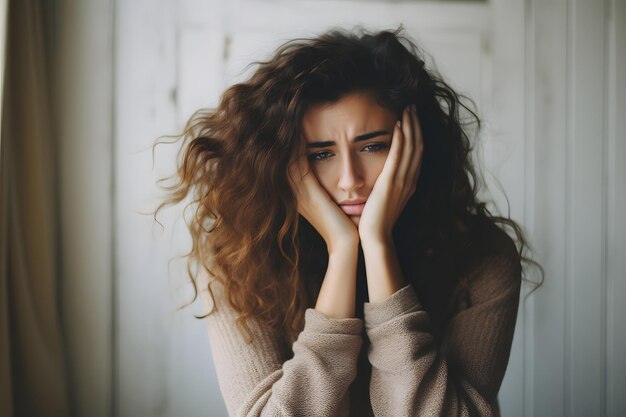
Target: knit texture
{"type": "Point", "coordinates": [409, 374]}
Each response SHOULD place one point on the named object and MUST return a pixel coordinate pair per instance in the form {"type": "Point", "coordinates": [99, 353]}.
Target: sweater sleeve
{"type": "Point", "coordinates": [411, 376]}
{"type": "Point", "coordinates": [257, 379]}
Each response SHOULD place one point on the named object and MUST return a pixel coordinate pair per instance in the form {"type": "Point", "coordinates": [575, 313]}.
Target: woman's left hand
{"type": "Point", "coordinates": [396, 182]}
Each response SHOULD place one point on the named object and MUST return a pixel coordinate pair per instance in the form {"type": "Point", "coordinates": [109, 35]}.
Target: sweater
{"type": "Point", "coordinates": [386, 364]}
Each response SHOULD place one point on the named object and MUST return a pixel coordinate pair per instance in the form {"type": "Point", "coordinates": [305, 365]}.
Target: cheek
{"type": "Point", "coordinates": [325, 175]}
{"type": "Point", "coordinates": [373, 169]}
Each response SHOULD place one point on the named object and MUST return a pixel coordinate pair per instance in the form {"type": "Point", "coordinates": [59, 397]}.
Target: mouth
{"type": "Point", "coordinates": [353, 209]}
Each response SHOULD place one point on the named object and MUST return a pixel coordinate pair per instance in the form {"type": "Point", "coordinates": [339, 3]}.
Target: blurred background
{"type": "Point", "coordinates": [90, 285]}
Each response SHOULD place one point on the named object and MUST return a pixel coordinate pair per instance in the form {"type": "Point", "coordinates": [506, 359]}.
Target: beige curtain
{"type": "Point", "coordinates": [33, 378]}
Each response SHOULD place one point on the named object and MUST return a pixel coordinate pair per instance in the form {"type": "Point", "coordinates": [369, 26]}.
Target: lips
{"type": "Point", "coordinates": [353, 208]}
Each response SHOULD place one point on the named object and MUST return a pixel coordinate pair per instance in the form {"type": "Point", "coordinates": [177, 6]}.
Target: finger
{"type": "Point", "coordinates": [408, 146]}
{"type": "Point", "coordinates": [301, 159]}
{"type": "Point", "coordinates": [416, 162]}
{"type": "Point", "coordinates": [292, 171]}
{"type": "Point", "coordinates": [296, 172]}
{"type": "Point", "coordinates": [395, 153]}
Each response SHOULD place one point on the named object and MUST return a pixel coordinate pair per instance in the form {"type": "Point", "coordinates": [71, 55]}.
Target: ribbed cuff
{"type": "Point", "coordinates": [317, 322]}
{"type": "Point", "coordinates": [401, 302]}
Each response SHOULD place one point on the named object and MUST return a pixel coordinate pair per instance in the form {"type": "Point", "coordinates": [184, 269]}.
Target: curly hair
{"type": "Point", "coordinates": [234, 159]}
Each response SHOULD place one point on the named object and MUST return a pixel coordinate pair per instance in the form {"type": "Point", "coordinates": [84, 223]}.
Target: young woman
{"type": "Point", "coordinates": [347, 264]}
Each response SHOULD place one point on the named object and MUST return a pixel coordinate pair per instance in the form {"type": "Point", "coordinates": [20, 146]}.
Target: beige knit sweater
{"type": "Point", "coordinates": [410, 374]}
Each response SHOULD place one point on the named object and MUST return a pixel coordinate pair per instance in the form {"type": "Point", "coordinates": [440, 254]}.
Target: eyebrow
{"type": "Point", "coordinates": [359, 138]}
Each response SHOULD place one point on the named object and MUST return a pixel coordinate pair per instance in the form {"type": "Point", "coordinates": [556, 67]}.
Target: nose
{"type": "Point", "coordinates": [351, 176]}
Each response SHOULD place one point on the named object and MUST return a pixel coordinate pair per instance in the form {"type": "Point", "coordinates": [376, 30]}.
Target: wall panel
{"type": "Point", "coordinates": [578, 354]}
{"type": "Point", "coordinates": [615, 358]}
{"type": "Point", "coordinates": [585, 210]}
{"type": "Point", "coordinates": [548, 134]}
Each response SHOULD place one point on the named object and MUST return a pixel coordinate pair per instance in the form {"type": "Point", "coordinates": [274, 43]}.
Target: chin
{"type": "Point", "coordinates": [355, 220]}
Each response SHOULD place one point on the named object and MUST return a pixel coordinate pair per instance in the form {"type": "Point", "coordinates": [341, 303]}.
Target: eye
{"type": "Point", "coordinates": [320, 156]}
{"type": "Point", "coordinates": [375, 147]}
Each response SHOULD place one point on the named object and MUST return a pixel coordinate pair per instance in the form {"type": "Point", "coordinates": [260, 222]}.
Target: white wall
{"type": "Point", "coordinates": [181, 58]}
{"type": "Point", "coordinates": [576, 118]}
{"type": "Point", "coordinates": [546, 78]}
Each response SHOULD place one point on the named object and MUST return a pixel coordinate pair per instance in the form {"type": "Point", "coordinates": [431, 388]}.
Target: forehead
{"type": "Point", "coordinates": [353, 112]}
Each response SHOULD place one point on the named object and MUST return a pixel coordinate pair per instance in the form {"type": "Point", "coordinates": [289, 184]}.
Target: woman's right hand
{"type": "Point", "coordinates": [316, 205]}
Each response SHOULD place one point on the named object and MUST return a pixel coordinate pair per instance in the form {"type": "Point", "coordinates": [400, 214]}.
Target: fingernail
{"type": "Point", "coordinates": [398, 124]}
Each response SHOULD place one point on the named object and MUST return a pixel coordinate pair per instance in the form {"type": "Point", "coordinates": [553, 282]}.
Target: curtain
{"type": "Point", "coordinates": [3, 35]}
{"type": "Point", "coordinates": [33, 376]}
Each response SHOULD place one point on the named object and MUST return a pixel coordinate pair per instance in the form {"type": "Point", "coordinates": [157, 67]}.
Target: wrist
{"type": "Point", "coordinates": [376, 241]}
{"type": "Point", "coordinates": [384, 273]}
{"type": "Point", "coordinates": [345, 246]}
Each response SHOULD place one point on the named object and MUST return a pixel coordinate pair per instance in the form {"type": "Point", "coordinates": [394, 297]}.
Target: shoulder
{"type": "Point", "coordinates": [497, 265]}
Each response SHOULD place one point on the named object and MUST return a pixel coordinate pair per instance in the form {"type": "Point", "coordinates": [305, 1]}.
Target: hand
{"type": "Point", "coordinates": [396, 182]}
{"type": "Point", "coordinates": [316, 205]}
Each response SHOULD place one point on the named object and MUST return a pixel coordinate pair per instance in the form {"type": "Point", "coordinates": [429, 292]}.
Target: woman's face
{"type": "Point", "coordinates": [347, 145]}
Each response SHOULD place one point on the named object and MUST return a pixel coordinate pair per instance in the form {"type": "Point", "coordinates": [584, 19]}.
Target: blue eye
{"type": "Point", "coordinates": [375, 147]}
{"type": "Point", "coordinates": [320, 156]}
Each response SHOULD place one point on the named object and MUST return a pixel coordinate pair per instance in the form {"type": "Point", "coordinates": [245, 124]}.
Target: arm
{"type": "Point", "coordinates": [411, 376]}
{"type": "Point", "coordinates": [392, 190]}
{"type": "Point", "coordinates": [338, 292]}
{"type": "Point", "coordinates": [257, 379]}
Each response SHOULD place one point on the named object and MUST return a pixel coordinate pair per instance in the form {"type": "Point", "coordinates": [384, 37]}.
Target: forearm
{"type": "Point", "coordinates": [384, 275]}
{"type": "Point", "coordinates": [257, 379]}
{"type": "Point", "coordinates": [338, 292]}
{"type": "Point", "coordinates": [410, 369]}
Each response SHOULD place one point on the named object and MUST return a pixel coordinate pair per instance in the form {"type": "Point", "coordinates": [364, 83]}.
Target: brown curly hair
{"type": "Point", "coordinates": [234, 159]}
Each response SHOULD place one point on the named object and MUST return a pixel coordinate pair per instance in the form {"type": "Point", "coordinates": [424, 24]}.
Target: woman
{"type": "Point", "coordinates": [347, 264]}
